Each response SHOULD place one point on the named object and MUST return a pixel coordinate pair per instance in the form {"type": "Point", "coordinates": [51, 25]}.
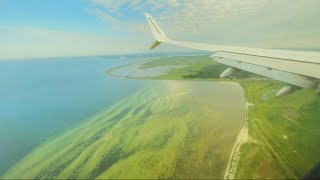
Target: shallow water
{"type": "Point", "coordinates": [42, 97]}
{"type": "Point", "coordinates": [45, 98]}
{"type": "Point", "coordinates": [167, 129]}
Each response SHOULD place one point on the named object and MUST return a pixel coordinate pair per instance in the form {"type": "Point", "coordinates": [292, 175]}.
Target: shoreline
{"type": "Point", "coordinates": [242, 136]}
{"type": "Point", "coordinates": [109, 73]}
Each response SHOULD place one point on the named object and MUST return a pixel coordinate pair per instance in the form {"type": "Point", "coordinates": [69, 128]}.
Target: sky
{"type": "Point", "coordinates": [53, 28]}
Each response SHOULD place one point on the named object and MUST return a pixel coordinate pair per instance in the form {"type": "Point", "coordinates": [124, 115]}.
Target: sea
{"type": "Point", "coordinates": [42, 97]}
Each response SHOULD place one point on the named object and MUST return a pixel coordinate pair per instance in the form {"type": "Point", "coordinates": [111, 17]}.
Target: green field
{"type": "Point", "coordinates": [193, 68]}
{"type": "Point", "coordinates": [284, 132]}
{"type": "Point", "coordinates": [197, 68]}
{"type": "Point", "coordinates": [168, 129]}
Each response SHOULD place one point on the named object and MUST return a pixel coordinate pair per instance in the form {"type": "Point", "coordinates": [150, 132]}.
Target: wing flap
{"type": "Point", "coordinates": [290, 78]}
{"type": "Point", "coordinates": [297, 67]}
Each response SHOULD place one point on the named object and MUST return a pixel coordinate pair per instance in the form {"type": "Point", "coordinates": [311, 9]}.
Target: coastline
{"type": "Point", "coordinates": [256, 90]}
{"type": "Point", "coordinates": [242, 136]}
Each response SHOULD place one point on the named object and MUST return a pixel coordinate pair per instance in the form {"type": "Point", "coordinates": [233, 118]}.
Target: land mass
{"type": "Point", "coordinates": [283, 133]}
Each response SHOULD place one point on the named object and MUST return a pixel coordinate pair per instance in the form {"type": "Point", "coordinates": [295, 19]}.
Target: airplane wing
{"type": "Point", "coordinates": [299, 69]}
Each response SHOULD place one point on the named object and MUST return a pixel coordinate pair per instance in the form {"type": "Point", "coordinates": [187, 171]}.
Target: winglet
{"type": "Point", "coordinates": [155, 44]}
{"type": "Point", "coordinates": [158, 34]}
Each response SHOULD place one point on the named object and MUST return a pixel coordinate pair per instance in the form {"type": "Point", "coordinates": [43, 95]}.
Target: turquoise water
{"type": "Point", "coordinates": [39, 98]}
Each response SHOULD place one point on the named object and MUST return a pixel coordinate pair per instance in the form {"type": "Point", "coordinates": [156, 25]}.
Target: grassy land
{"type": "Point", "coordinates": [195, 67]}
{"type": "Point", "coordinates": [284, 132]}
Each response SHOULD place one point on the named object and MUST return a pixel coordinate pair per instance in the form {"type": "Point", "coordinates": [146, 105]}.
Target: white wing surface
{"type": "Point", "coordinates": [299, 69]}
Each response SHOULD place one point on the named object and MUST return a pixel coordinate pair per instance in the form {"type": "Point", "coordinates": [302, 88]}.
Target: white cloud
{"type": "Point", "coordinates": [111, 5]}
{"type": "Point", "coordinates": [119, 25]}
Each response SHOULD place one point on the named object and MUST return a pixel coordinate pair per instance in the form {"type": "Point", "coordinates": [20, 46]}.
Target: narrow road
{"type": "Point", "coordinates": [241, 139]}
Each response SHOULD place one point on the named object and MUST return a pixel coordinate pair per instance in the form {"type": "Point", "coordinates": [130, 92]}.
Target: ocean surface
{"type": "Point", "coordinates": [42, 97]}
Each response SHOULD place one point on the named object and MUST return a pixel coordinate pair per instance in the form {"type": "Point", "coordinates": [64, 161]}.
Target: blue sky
{"type": "Point", "coordinates": [64, 15]}
{"type": "Point", "coordinates": [49, 28]}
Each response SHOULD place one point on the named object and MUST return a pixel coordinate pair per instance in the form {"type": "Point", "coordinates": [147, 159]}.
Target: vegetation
{"type": "Point", "coordinates": [192, 68]}
{"type": "Point", "coordinates": [284, 132]}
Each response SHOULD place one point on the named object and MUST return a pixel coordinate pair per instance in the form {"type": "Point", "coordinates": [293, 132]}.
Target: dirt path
{"type": "Point", "coordinates": [241, 139]}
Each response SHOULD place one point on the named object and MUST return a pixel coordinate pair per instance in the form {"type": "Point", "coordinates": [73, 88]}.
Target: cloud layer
{"type": "Point", "coordinates": [286, 24]}
{"type": "Point", "coordinates": [264, 23]}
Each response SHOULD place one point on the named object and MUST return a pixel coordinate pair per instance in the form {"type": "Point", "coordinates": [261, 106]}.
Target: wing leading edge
{"type": "Point", "coordinates": [299, 69]}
